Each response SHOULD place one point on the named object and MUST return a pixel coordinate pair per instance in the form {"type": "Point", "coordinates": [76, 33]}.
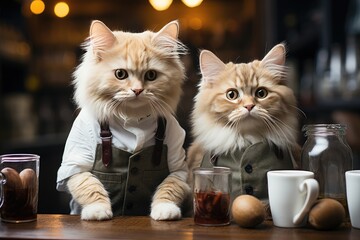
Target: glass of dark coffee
{"type": "Point", "coordinates": [211, 189]}
{"type": "Point", "coordinates": [19, 187]}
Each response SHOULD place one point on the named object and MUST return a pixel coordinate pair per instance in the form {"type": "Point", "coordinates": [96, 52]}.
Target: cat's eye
{"type": "Point", "coordinates": [150, 75]}
{"type": "Point", "coordinates": [121, 74]}
{"type": "Point", "coordinates": [261, 93]}
{"type": "Point", "coordinates": [232, 94]}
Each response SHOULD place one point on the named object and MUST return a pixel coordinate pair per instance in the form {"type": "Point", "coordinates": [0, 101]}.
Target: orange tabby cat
{"type": "Point", "coordinates": [245, 118]}
{"type": "Point", "coordinates": [124, 153]}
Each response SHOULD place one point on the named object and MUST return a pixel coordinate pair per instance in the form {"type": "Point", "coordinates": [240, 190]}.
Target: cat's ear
{"type": "Point", "coordinates": [167, 40]}
{"type": "Point", "coordinates": [275, 56]}
{"type": "Point", "coordinates": [101, 37]}
{"type": "Point", "coordinates": [210, 65]}
{"type": "Point", "coordinates": [171, 30]}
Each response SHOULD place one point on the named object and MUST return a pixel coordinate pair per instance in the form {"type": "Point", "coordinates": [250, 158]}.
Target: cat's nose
{"type": "Point", "coordinates": [249, 107]}
{"type": "Point", "coordinates": [137, 91]}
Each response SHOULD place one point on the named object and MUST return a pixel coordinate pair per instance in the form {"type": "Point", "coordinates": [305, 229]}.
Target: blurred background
{"type": "Point", "coordinates": [40, 47]}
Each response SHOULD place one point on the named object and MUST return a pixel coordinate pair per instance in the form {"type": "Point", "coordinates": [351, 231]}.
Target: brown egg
{"type": "Point", "coordinates": [13, 180]}
{"type": "Point", "coordinates": [326, 214]}
{"type": "Point", "coordinates": [248, 211]}
{"type": "Point", "coordinates": [28, 178]}
{"type": "Point", "coordinates": [30, 186]}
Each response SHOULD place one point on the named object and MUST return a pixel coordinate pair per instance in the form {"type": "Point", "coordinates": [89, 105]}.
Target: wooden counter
{"type": "Point", "coordinates": [71, 227]}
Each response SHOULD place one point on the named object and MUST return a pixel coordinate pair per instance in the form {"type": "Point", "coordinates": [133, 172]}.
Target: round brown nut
{"type": "Point", "coordinates": [12, 177]}
{"type": "Point", "coordinates": [28, 178]}
{"type": "Point", "coordinates": [248, 211]}
{"type": "Point", "coordinates": [326, 214]}
{"type": "Point", "coordinates": [29, 182]}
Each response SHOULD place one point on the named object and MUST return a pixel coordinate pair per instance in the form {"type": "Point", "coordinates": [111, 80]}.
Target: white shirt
{"type": "Point", "coordinates": [130, 136]}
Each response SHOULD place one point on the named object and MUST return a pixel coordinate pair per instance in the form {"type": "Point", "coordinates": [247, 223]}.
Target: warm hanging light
{"type": "Point", "coordinates": [192, 3]}
{"type": "Point", "coordinates": [160, 5]}
{"type": "Point", "coordinates": [61, 9]}
{"type": "Point", "coordinates": [37, 7]}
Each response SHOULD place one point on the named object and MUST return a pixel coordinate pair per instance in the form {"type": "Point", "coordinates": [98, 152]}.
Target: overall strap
{"type": "Point", "coordinates": [159, 141]}
{"type": "Point", "coordinates": [106, 138]}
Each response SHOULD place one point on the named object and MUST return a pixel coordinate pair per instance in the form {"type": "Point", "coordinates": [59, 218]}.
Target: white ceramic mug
{"type": "Point", "coordinates": [291, 195]}
{"type": "Point", "coordinates": [353, 196]}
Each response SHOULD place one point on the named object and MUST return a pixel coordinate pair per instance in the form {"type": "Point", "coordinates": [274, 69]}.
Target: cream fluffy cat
{"type": "Point", "coordinates": [245, 114]}
{"type": "Point", "coordinates": [127, 80]}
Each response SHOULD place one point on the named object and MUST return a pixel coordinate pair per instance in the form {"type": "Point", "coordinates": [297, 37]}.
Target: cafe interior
{"type": "Point", "coordinates": [40, 46]}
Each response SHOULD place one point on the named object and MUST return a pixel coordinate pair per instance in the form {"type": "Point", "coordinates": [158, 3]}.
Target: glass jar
{"type": "Point", "coordinates": [327, 154]}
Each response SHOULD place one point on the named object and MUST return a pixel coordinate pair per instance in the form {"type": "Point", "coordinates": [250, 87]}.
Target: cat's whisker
{"type": "Point", "coordinates": [114, 104]}
{"type": "Point", "coordinates": [283, 123]}
{"type": "Point", "coordinates": [272, 117]}
{"type": "Point", "coordinates": [267, 123]}
{"type": "Point", "coordinates": [280, 128]}
{"type": "Point", "coordinates": [273, 121]}
{"type": "Point", "coordinates": [160, 107]}
{"type": "Point", "coordinates": [229, 124]}
{"type": "Point", "coordinates": [299, 110]}
{"type": "Point", "coordinates": [237, 124]}
{"type": "Point", "coordinates": [156, 108]}
{"type": "Point", "coordinates": [221, 118]}
{"type": "Point", "coordinates": [275, 125]}
{"type": "Point", "coordinates": [153, 109]}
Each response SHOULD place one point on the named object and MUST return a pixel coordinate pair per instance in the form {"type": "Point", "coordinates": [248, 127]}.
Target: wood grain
{"type": "Point", "coordinates": [52, 226]}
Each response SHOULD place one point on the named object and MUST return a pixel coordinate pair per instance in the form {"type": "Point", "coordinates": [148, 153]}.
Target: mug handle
{"type": "Point", "coordinates": [2, 182]}
{"type": "Point", "coordinates": [312, 187]}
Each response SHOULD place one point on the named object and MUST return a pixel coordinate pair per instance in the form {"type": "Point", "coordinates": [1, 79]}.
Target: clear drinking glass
{"type": "Point", "coordinates": [19, 183]}
{"type": "Point", "coordinates": [212, 188]}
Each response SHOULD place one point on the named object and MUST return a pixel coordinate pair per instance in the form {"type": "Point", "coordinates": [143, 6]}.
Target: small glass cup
{"type": "Point", "coordinates": [211, 189]}
{"type": "Point", "coordinates": [19, 184]}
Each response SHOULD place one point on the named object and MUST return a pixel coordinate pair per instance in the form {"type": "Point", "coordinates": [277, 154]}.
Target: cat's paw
{"type": "Point", "coordinates": [165, 211]}
{"type": "Point", "coordinates": [96, 211]}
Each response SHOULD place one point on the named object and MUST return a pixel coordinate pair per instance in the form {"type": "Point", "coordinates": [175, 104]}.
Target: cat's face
{"type": "Point", "coordinates": [130, 75]}
{"type": "Point", "coordinates": [249, 99]}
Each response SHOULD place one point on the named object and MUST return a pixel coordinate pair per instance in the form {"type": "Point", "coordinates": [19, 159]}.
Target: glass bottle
{"type": "Point", "coordinates": [327, 154]}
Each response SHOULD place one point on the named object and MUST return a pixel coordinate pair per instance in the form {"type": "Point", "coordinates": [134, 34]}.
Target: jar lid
{"type": "Point", "coordinates": [324, 128]}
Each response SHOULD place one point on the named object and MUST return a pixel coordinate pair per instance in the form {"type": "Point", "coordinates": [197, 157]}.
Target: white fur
{"type": "Point", "coordinates": [97, 211]}
{"type": "Point", "coordinates": [220, 139]}
{"type": "Point", "coordinates": [217, 138]}
{"type": "Point", "coordinates": [165, 211]}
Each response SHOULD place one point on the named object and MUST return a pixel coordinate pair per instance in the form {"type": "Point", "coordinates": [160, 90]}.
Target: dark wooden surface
{"type": "Point", "coordinates": [52, 226]}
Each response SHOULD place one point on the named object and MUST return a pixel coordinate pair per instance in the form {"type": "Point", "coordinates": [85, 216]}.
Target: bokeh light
{"type": "Point", "coordinates": [160, 5]}
{"type": "Point", "coordinates": [192, 3]}
{"type": "Point", "coordinates": [37, 7]}
{"type": "Point", "coordinates": [61, 9]}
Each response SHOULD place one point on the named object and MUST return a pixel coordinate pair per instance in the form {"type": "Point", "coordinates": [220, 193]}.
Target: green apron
{"type": "Point", "coordinates": [131, 178]}
{"type": "Point", "coordinates": [249, 167]}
